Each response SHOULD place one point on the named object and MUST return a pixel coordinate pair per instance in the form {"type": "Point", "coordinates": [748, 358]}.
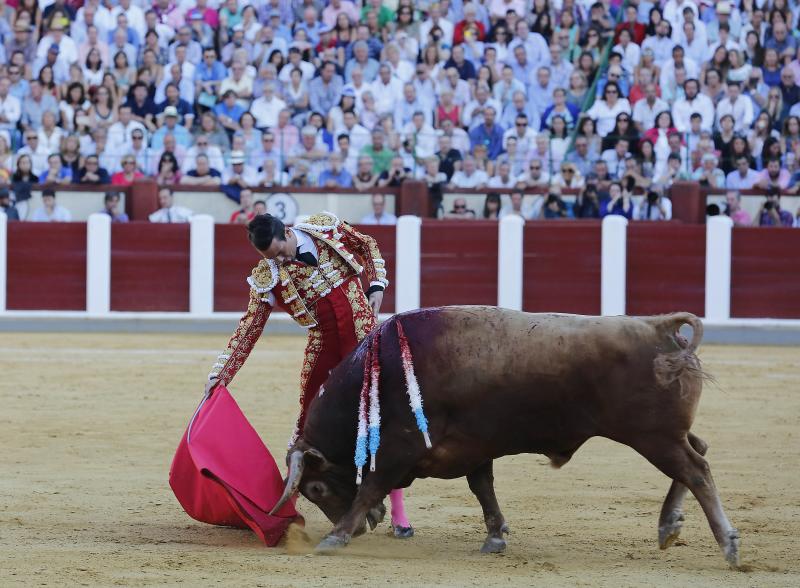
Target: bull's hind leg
{"type": "Point", "coordinates": [481, 482]}
{"type": "Point", "coordinates": [681, 462]}
{"type": "Point", "coordinates": [671, 519]}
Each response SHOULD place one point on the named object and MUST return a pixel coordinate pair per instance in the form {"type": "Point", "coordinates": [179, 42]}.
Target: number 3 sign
{"type": "Point", "coordinates": [282, 206]}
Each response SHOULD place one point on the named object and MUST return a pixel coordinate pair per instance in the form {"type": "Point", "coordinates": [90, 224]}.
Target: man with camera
{"type": "Point", "coordinates": [770, 214]}
{"type": "Point", "coordinates": [396, 173]}
{"type": "Point", "coordinates": [656, 207]}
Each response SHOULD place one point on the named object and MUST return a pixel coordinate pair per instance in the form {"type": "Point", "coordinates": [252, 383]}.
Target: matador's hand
{"type": "Point", "coordinates": [375, 301]}
{"type": "Point", "coordinates": [210, 385]}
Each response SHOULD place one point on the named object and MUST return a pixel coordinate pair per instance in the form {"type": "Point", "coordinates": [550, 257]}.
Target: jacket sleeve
{"type": "Point", "coordinates": [366, 248]}
{"type": "Point", "coordinates": [243, 339]}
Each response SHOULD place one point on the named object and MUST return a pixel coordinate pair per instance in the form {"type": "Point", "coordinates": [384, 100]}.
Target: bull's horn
{"type": "Point", "coordinates": [296, 464]}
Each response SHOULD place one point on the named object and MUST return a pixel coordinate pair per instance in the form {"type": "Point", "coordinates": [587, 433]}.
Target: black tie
{"type": "Point", "coordinates": [306, 257]}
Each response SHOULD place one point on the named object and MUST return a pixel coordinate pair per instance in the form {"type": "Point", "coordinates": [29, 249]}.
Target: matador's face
{"type": "Point", "coordinates": [282, 250]}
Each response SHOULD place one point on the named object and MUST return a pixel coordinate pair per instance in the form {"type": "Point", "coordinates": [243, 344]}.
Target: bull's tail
{"type": "Point", "coordinates": [670, 325]}
{"type": "Point", "coordinates": [679, 360]}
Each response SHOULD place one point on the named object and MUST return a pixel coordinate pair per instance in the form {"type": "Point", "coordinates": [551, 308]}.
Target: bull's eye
{"type": "Point", "coordinates": [316, 490]}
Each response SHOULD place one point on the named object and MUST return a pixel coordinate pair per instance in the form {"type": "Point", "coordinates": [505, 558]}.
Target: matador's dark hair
{"type": "Point", "coordinates": [263, 229]}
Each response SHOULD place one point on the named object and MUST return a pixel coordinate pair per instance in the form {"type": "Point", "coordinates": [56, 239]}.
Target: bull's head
{"type": "Point", "coordinates": [331, 487]}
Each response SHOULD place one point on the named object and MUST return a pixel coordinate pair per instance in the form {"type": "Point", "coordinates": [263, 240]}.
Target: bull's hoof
{"type": "Point", "coordinates": [731, 550]}
{"type": "Point", "coordinates": [331, 544]}
{"type": "Point", "coordinates": [402, 532]}
{"type": "Point", "coordinates": [375, 516]}
{"type": "Point", "coordinates": [670, 530]}
{"type": "Point", "coordinates": [493, 545]}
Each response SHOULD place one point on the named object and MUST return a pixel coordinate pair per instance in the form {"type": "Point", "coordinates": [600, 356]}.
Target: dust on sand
{"type": "Point", "coordinates": [90, 422]}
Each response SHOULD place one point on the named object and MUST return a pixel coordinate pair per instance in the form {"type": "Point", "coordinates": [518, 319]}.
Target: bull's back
{"type": "Point", "coordinates": [523, 380]}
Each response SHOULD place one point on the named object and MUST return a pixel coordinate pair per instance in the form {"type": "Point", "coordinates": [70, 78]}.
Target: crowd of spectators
{"type": "Point", "coordinates": [618, 99]}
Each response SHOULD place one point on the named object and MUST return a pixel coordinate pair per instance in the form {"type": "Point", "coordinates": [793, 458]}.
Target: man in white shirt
{"type": "Point", "coordinates": [120, 133]}
{"type": "Point", "coordinates": [679, 59]}
{"type": "Point", "coordinates": [203, 146]}
{"type": "Point", "coordinates": [51, 212]}
{"type": "Point", "coordinates": [645, 111]}
{"type": "Point", "coordinates": [134, 14]}
{"type": "Point", "coordinates": [359, 135]}
{"type": "Point", "coordinates": [693, 102]}
{"type": "Point", "coordinates": [421, 135]}
{"type": "Point", "coordinates": [67, 49]}
{"type": "Point", "coordinates": [534, 44]}
{"type": "Point", "coordinates": [386, 89]}
{"type": "Point", "coordinates": [38, 153]}
{"type": "Point", "coordinates": [266, 109]}
{"type": "Point", "coordinates": [738, 106]}
{"type": "Point", "coordinates": [379, 216]}
{"type": "Point", "coordinates": [469, 176]}
{"type": "Point", "coordinates": [525, 135]}
{"type": "Point", "coordinates": [694, 45]}
{"type": "Point", "coordinates": [743, 177]}
{"type": "Point", "coordinates": [473, 112]}
{"type": "Point", "coordinates": [660, 44]}
{"type": "Point", "coordinates": [10, 107]}
{"type": "Point", "coordinates": [435, 18]}
{"type": "Point", "coordinates": [169, 213]}
{"type": "Point", "coordinates": [673, 12]}
{"type": "Point", "coordinates": [502, 177]}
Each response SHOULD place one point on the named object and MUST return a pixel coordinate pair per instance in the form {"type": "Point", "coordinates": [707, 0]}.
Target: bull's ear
{"type": "Point", "coordinates": [314, 459]}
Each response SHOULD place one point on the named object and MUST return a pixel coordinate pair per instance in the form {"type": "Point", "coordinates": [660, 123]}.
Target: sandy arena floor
{"type": "Point", "coordinates": [89, 424]}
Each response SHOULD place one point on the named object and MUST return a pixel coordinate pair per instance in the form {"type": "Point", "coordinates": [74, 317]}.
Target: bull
{"type": "Point", "coordinates": [498, 382]}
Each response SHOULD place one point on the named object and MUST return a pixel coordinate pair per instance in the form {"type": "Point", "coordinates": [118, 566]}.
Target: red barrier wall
{"type": "Point", "coordinates": [666, 268]}
{"type": "Point", "coordinates": [234, 258]}
{"type": "Point", "coordinates": [459, 262]}
{"type": "Point", "coordinates": [386, 236]}
{"type": "Point", "coordinates": [561, 270]}
{"type": "Point", "coordinates": [150, 267]}
{"type": "Point", "coordinates": [46, 266]}
{"type": "Point", "coordinates": [765, 273]}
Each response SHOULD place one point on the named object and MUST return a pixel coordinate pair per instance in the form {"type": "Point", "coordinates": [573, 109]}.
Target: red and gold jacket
{"type": "Point", "coordinates": [344, 254]}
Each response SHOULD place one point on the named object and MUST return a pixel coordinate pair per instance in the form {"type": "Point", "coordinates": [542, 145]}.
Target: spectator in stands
{"type": "Point", "coordinates": [168, 172]}
{"type": "Point", "coordinates": [491, 206]}
{"type": "Point", "coordinates": [246, 213]}
{"type": "Point", "coordinates": [587, 203]}
{"type": "Point", "coordinates": [335, 175]}
{"type": "Point", "coordinates": [535, 176]}
{"type": "Point", "coordinates": [129, 172]}
{"type": "Point", "coordinates": [733, 208]}
{"type": "Point", "coordinates": [773, 176]}
{"type": "Point", "coordinates": [365, 177]}
{"type": "Point", "coordinates": [92, 173]}
{"type": "Point", "coordinates": [395, 175]}
{"type": "Point", "coordinates": [618, 201]}
{"type": "Point", "coordinates": [379, 216]}
{"type": "Point", "coordinates": [56, 173]}
{"type": "Point", "coordinates": [169, 212]}
{"type": "Point", "coordinates": [6, 207]}
{"type": "Point", "coordinates": [502, 177]}
{"type": "Point", "coordinates": [469, 176]}
{"type": "Point", "coordinates": [488, 133]}
{"type": "Point", "coordinates": [605, 110]}
{"type": "Point", "coordinates": [655, 207]}
{"type": "Point", "coordinates": [460, 210]}
{"type": "Point", "coordinates": [568, 177]}
{"type": "Point", "coordinates": [171, 127]}
{"type": "Point", "coordinates": [708, 174]}
{"type": "Point", "coordinates": [10, 107]}
{"type": "Point", "coordinates": [238, 176]}
{"type": "Point", "coordinates": [51, 212]}
{"type": "Point", "coordinates": [770, 214]}
{"type": "Point", "coordinates": [110, 207]}
{"type": "Point", "coordinates": [743, 177]}
{"type": "Point", "coordinates": [202, 174]}
{"type": "Point", "coordinates": [377, 151]}
{"type": "Point", "coordinates": [515, 206]}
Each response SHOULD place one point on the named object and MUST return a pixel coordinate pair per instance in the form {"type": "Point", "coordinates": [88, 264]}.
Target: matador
{"type": "Point", "coordinates": [312, 270]}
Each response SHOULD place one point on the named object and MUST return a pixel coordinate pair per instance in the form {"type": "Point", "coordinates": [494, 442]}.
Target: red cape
{"type": "Point", "coordinates": [223, 474]}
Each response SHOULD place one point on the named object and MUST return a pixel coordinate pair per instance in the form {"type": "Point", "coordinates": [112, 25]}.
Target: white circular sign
{"type": "Point", "coordinates": [283, 207]}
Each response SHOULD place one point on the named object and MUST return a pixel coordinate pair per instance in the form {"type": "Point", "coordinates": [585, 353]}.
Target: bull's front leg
{"type": "Point", "coordinates": [370, 494]}
{"type": "Point", "coordinates": [481, 482]}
